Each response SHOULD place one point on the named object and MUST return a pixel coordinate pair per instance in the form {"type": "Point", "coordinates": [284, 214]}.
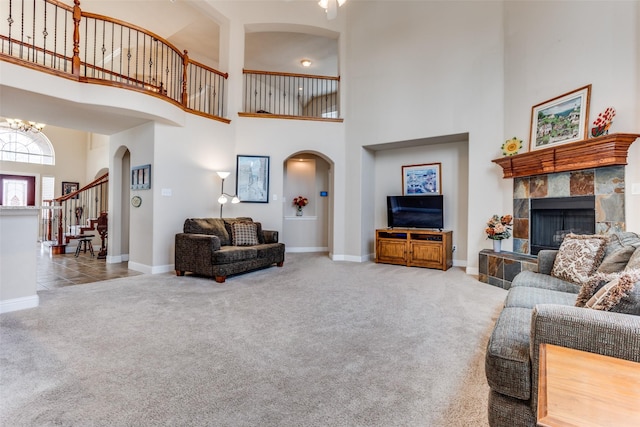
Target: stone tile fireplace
{"type": "Point", "coordinates": [582, 181]}
{"type": "Point", "coordinates": [604, 185]}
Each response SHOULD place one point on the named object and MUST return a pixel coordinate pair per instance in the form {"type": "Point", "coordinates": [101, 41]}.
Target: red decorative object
{"type": "Point", "coordinates": [300, 201]}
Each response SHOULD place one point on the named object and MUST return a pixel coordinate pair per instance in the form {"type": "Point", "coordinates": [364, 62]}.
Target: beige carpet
{"type": "Point", "coordinates": [315, 343]}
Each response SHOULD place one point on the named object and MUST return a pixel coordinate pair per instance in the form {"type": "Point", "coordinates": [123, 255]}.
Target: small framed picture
{"type": "Point", "coordinates": [70, 187]}
{"type": "Point", "coordinates": [252, 179]}
{"type": "Point", "coordinates": [421, 180]}
{"type": "Point", "coordinates": [141, 177]}
{"type": "Point", "coordinates": [560, 120]}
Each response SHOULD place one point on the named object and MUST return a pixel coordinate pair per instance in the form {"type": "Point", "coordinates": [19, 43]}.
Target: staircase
{"type": "Point", "coordinates": [78, 215]}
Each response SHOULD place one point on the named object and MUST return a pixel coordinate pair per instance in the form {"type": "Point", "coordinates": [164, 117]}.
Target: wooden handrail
{"type": "Point", "coordinates": [275, 73]}
{"type": "Point", "coordinates": [92, 184]}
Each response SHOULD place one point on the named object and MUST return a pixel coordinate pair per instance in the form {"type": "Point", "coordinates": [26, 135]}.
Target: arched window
{"type": "Point", "coordinates": [25, 146]}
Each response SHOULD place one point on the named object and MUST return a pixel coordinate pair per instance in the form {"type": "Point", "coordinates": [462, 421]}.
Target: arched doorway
{"type": "Point", "coordinates": [309, 175]}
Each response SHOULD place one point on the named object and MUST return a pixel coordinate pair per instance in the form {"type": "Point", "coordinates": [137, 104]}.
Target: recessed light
{"type": "Point", "coordinates": [306, 63]}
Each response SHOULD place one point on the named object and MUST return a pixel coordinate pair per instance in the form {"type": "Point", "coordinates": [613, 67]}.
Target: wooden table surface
{"type": "Point", "coordinates": [578, 388]}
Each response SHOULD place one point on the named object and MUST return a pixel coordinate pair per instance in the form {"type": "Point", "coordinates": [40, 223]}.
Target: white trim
{"type": "Point", "coordinates": [142, 268]}
{"type": "Point", "coordinates": [306, 249]}
{"type": "Point", "coordinates": [473, 271]}
{"type": "Point", "coordinates": [350, 258]}
{"type": "Point", "coordinates": [459, 263]}
{"type": "Point", "coordinates": [114, 259]}
{"type": "Point", "coordinates": [147, 269]}
{"type": "Point", "coordinates": [159, 269]}
{"type": "Point", "coordinates": [21, 303]}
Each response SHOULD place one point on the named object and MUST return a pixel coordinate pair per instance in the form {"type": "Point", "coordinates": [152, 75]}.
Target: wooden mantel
{"type": "Point", "coordinates": [607, 150]}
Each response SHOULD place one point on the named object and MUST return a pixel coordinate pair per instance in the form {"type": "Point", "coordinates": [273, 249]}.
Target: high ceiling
{"type": "Point", "coordinates": [186, 26]}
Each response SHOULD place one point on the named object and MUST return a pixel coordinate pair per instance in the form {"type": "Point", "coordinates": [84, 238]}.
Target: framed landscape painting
{"type": "Point", "coordinates": [560, 120]}
{"type": "Point", "coordinates": [252, 179]}
{"type": "Point", "coordinates": [421, 180]}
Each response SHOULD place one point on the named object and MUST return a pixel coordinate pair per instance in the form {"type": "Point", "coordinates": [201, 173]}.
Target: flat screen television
{"type": "Point", "coordinates": [415, 211]}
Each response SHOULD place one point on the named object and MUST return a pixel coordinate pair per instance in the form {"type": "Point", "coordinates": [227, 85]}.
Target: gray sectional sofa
{"type": "Point", "coordinates": [220, 247]}
{"type": "Point", "coordinates": [540, 307]}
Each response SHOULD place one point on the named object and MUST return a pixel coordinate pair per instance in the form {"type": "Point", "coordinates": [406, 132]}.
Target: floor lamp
{"type": "Point", "coordinates": [224, 197]}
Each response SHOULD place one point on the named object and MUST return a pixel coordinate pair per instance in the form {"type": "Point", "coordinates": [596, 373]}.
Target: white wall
{"type": "Point", "coordinates": [419, 70]}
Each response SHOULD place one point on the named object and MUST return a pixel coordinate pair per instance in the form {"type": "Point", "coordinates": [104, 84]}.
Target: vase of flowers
{"type": "Point", "coordinates": [300, 202]}
{"type": "Point", "coordinates": [498, 229]}
{"type": "Point", "coordinates": [602, 124]}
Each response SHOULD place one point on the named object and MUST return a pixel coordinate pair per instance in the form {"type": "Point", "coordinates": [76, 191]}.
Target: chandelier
{"type": "Point", "coordinates": [331, 7]}
{"type": "Point", "coordinates": [18, 124]}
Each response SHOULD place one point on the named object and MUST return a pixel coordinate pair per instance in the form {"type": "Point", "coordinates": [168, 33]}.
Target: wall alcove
{"type": "Point", "coordinates": [308, 175]}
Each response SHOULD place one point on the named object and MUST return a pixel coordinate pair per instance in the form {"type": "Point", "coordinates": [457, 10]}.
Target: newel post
{"type": "Point", "coordinates": [77, 15]}
{"type": "Point", "coordinates": [185, 64]}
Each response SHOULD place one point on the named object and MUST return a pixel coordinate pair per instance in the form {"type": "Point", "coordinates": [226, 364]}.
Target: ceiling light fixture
{"type": "Point", "coordinates": [331, 7]}
{"type": "Point", "coordinates": [18, 124]}
{"type": "Point", "coordinates": [306, 63]}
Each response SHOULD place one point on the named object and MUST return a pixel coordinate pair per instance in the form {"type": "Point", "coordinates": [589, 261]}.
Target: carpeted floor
{"type": "Point", "coordinates": [315, 343]}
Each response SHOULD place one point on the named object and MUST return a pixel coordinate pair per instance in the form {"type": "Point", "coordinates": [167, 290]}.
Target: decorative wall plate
{"type": "Point", "coordinates": [136, 201]}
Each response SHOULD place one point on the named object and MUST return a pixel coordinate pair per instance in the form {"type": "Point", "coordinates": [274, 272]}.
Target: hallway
{"type": "Point", "coordinates": [57, 271]}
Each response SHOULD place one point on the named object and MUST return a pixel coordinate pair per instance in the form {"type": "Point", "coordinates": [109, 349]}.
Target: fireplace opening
{"type": "Point", "coordinates": [553, 218]}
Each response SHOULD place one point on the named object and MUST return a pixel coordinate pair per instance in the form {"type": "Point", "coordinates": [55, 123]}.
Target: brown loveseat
{"type": "Point", "coordinates": [220, 247]}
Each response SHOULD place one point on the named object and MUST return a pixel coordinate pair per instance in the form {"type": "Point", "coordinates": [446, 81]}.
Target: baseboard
{"type": "Point", "coordinates": [116, 259]}
{"type": "Point", "coordinates": [306, 249]}
{"type": "Point", "coordinates": [473, 271]}
{"type": "Point", "coordinates": [15, 304]}
{"type": "Point", "coordinates": [350, 258]}
{"type": "Point", "coordinates": [149, 269]}
{"type": "Point", "coordinates": [159, 269]}
{"type": "Point", "coordinates": [142, 268]}
{"type": "Point", "coordinates": [459, 263]}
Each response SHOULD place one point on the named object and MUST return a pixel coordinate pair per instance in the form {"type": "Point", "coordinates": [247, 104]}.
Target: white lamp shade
{"type": "Point", "coordinates": [222, 199]}
{"type": "Point", "coordinates": [235, 200]}
{"type": "Point", "coordinates": [223, 175]}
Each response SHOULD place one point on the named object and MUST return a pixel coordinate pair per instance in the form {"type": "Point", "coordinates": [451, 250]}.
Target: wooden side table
{"type": "Point", "coordinates": [582, 389]}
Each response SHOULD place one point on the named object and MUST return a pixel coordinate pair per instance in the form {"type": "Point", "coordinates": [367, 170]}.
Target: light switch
{"type": "Point", "coordinates": [635, 188]}
{"type": "Point", "coordinates": [275, 197]}
{"type": "Point", "coordinates": [166, 192]}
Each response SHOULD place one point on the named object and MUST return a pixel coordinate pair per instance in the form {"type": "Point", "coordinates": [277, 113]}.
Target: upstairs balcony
{"type": "Point", "coordinates": [52, 37]}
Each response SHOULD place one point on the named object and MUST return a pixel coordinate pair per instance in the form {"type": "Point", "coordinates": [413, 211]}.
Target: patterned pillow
{"type": "Point", "coordinates": [244, 234]}
{"type": "Point", "coordinates": [593, 285]}
{"type": "Point", "coordinates": [617, 295]}
{"type": "Point", "coordinates": [616, 260]}
{"type": "Point", "coordinates": [634, 261]}
{"type": "Point", "coordinates": [578, 257]}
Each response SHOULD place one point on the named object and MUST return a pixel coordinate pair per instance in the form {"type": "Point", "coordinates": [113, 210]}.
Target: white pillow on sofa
{"type": "Point", "coordinates": [579, 257]}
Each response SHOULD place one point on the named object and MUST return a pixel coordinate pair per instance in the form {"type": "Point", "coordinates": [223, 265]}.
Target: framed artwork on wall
{"type": "Point", "coordinates": [252, 179]}
{"type": "Point", "coordinates": [141, 177]}
{"type": "Point", "coordinates": [70, 187]}
{"type": "Point", "coordinates": [560, 120]}
{"type": "Point", "coordinates": [421, 180]}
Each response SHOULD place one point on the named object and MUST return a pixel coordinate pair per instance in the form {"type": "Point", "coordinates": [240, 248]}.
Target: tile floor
{"type": "Point", "coordinates": [57, 271]}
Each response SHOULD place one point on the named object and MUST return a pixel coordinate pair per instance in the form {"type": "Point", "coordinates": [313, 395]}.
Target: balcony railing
{"type": "Point", "coordinates": [64, 40]}
{"type": "Point", "coordinates": [286, 95]}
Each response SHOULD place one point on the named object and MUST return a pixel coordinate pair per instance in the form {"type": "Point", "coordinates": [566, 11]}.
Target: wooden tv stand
{"type": "Point", "coordinates": [414, 247]}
